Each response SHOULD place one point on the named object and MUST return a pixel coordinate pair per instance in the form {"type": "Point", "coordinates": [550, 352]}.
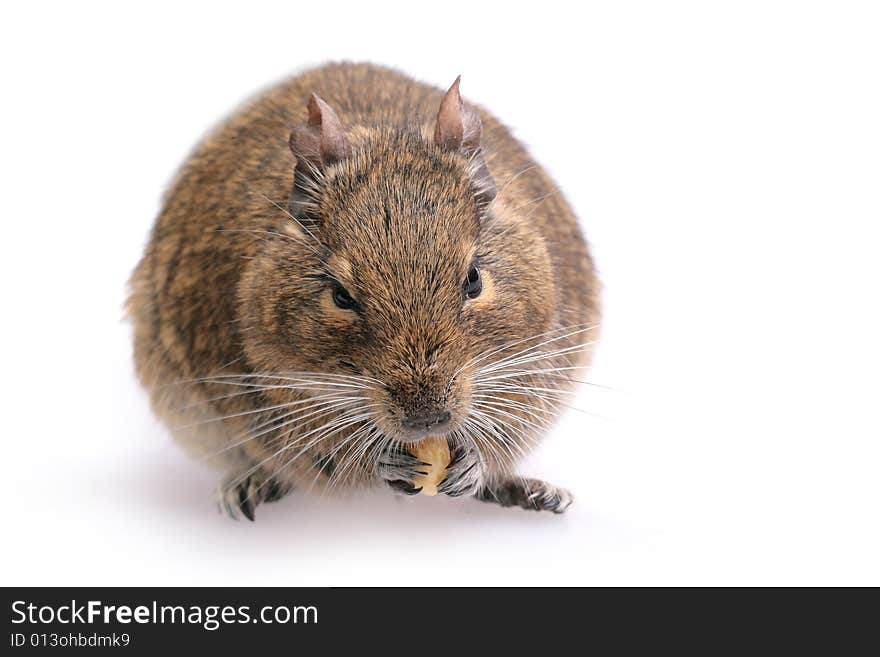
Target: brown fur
{"type": "Point", "coordinates": [392, 206]}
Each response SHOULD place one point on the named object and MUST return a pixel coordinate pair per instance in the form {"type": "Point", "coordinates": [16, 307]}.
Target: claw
{"type": "Point", "coordinates": [400, 465]}
{"type": "Point", "coordinates": [245, 502]}
{"type": "Point", "coordinates": [405, 487]}
{"type": "Point", "coordinates": [274, 492]}
{"type": "Point", "coordinates": [457, 456]}
{"type": "Point", "coordinates": [449, 486]}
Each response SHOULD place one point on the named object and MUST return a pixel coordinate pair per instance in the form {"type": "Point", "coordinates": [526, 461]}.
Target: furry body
{"type": "Point", "coordinates": [239, 334]}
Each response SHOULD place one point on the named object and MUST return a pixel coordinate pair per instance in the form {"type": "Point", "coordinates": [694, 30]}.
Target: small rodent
{"type": "Point", "coordinates": [350, 263]}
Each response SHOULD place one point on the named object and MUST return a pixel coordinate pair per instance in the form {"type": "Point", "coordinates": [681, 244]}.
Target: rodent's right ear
{"type": "Point", "coordinates": [316, 145]}
{"type": "Point", "coordinates": [322, 140]}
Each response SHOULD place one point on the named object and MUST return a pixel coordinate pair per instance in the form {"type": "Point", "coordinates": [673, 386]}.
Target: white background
{"type": "Point", "coordinates": [725, 160]}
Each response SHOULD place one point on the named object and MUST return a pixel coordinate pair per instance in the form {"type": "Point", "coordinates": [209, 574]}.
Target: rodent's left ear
{"type": "Point", "coordinates": [459, 128]}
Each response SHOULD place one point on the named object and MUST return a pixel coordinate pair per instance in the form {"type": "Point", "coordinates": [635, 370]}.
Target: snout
{"type": "Point", "coordinates": [420, 425]}
{"type": "Point", "coordinates": [423, 402]}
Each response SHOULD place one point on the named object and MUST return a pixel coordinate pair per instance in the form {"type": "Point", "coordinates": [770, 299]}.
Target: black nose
{"type": "Point", "coordinates": [427, 421]}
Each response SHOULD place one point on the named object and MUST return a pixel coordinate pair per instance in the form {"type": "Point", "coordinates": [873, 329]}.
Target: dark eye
{"type": "Point", "coordinates": [472, 285]}
{"type": "Point", "coordinates": [342, 298]}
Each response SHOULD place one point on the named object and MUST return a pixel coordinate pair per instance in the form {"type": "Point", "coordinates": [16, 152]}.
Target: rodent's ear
{"type": "Point", "coordinates": [322, 141]}
{"type": "Point", "coordinates": [459, 128]}
{"type": "Point", "coordinates": [316, 145]}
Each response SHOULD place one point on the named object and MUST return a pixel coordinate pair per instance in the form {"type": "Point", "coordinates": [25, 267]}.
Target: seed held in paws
{"type": "Point", "coordinates": [433, 450]}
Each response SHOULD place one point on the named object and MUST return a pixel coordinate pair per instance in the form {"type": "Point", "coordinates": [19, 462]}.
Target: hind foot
{"type": "Point", "coordinates": [239, 497]}
{"type": "Point", "coordinates": [531, 494]}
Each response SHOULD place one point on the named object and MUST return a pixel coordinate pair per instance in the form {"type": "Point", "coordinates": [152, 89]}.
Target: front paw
{"type": "Point", "coordinates": [464, 476]}
{"type": "Point", "coordinates": [398, 468]}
